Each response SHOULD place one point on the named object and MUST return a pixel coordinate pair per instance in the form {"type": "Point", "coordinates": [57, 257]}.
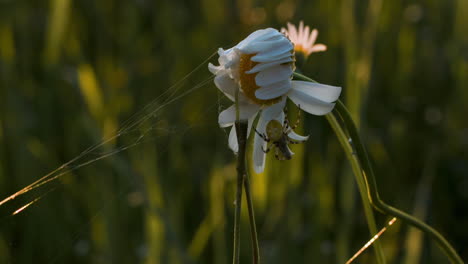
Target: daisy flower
{"type": "Point", "coordinates": [260, 68]}
{"type": "Point", "coordinates": [303, 39]}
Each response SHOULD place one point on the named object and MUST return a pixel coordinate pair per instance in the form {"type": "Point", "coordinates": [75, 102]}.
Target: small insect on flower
{"type": "Point", "coordinates": [279, 136]}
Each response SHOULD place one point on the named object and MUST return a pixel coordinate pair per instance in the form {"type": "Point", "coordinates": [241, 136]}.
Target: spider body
{"type": "Point", "coordinates": [277, 136]}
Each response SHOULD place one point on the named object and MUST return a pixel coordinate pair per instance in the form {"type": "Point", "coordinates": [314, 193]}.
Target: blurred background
{"type": "Point", "coordinates": [73, 72]}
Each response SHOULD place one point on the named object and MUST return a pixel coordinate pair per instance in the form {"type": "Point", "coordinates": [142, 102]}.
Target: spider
{"type": "Point", "coordinates": [279, 135]}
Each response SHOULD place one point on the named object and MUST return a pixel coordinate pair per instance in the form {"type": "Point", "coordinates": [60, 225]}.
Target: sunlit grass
{"type": "Point", "coordinates": [71, 72]}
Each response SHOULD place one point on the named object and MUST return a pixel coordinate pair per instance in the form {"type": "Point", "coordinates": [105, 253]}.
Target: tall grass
{"type": "Point", "coordinates": [71, 72]}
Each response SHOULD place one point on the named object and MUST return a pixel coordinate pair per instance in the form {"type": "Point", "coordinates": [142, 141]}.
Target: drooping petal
{"type": "Point", "coordinates": [250, 123]}
{"type": "Point", "coordinates": [296, 137]}
{"type": "Point", "coordinates": [226, 85]}
{"type": "Point", "coordinates": [272, 112]}
{"type": "Point", "coordinates": [309, 103]}
{"type": "Point", "coordinates": [273, 90]}
{"type": "Point", "coordinates": [278, 53]}
{"type": "Point", "coordinates": [214, 69]}
{"type": "Point", "coordinates": [228, 117]}
{"type": "Point", "coordinates": [273, 75]}
{"type": "Point", "coordinates": [259, 35]}
{"type": "Point", "coordinates": [322, 92]}
{"type": "Point", "coordinates": [233, 140]}
{"type": "Point", "coordinates": [263, 66]}
{"type": "Point", "coordinates": [258, 153]}
{"type": "Point", "coordinates": [266, 57]}
{"type": "Point", "coordinates": [267, 46]}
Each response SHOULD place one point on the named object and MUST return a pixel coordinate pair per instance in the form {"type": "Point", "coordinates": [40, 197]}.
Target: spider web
{"type": "Point", "coordinates": [137, 127]}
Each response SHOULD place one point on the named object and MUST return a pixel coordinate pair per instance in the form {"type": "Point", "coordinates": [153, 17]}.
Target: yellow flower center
{"type": "Point", "coordinates": [298, 48]}
{"type": "Point", "coordinates": [247, 81]}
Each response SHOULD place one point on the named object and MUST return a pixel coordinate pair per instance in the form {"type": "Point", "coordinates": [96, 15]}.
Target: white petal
{"type": "Point", "coordinates": [258, 35]}
{"type": "Point", "coordinates": [272, 47]}
{"type": "Point", "coordinates": [318, 48]}
{"type": "Point", "coordinates": [267, 46]}
{"type": "Point", "coordinates": [292, 135]}
{"type": "Point", "coordinates": [322, 92]}
{"type": "Point", "coordinates": [262, 66]}
{"type": "Point", "coordinates": [305, 36]}
{"type": "Point", "coordinates": [270, 56]}
{"type": "Point", "coordinates": [259, 145]}
{"type": "Point", "coordinates": [224, 56]}
{"type": "Point", "coordinates": [274, 74]}
{"type": "Point", "coordinates": [214, 69]}
{"type": "Point", "coordinates": [250, 122]}
{"type": "Point", "coordinates": [273, 90]}
{"type": "Point", "coordinates": [233, 140]}
{"type": "Point", "coordinates": [227, 85]}
{"type": "Point", "coordinates": [272, 112]}
{"type": "Point", "coordinates": [312, 37]}
{"type": "Point", "coordinates": [300, 31]}
{"type": "Point", "coordinates": [258, 153]}
{"type": "Point", "coordinates": [309, 103]}
{"type": "Point", "coordinates": [292, 31]}
{"type": "Point", "coordinates": [228, 117]}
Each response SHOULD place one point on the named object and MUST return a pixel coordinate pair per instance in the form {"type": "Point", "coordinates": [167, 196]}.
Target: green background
{"type": "Point", "coordinates": [72, 73]}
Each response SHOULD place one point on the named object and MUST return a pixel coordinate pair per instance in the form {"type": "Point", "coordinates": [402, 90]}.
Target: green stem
{"type": "Point", "coordinates": [374, 195]}
{"type": "Point", "coordinates": [241, 130]}
{"type": "Point", "coordinates": [343, 139]}
{"type": "Point", "coordinates": [253, 228]}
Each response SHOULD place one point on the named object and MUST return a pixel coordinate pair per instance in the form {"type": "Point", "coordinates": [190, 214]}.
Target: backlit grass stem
{"type": "Point", "coordinates": [343, 139]}
{"type": "Point", "coordinates": [374, 195]}
{"type": "Point", "coordinates": [371, 183]}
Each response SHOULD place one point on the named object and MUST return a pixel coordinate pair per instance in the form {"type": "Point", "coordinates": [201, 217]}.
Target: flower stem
{"type": "Point", "coordinates": [241, 130]}
{"type": "Point", "coordinates": [374, 195]}
{"type": "Point", "coordinates": [253, 228]}
{"type": "Point", "coordinates": [371, 184]}
{"type": "Point", "coordinates": [355, 166]}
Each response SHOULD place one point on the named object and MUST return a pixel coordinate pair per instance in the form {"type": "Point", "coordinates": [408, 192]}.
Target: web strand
{"type": "Point", "coordinates": [132, 124]}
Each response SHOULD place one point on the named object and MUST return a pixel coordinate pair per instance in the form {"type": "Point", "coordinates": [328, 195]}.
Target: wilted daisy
{"type": "Point", "coordinates": [303, 39]}
{"type": "Point", "coordinates": [260, 68]}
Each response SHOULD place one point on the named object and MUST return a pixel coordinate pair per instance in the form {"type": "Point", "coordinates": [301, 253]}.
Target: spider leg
{"type": "Point", "coordinates": [263, 136]}
{"type": "Point", "coordinates": [268, 148]}
{"type": "Point", "coordinates": [293, 142]}
{"type": "Point", "coordinates": [286, 121]}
